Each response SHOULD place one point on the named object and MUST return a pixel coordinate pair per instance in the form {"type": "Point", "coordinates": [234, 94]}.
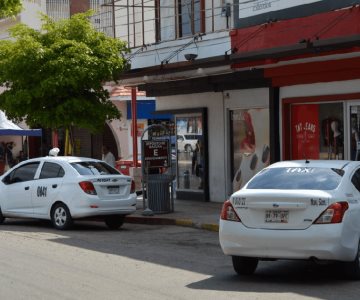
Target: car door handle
{"type": "Point", "coordinates": [27, 188]}
{"type": "Point", "coordinates": [54, 186]}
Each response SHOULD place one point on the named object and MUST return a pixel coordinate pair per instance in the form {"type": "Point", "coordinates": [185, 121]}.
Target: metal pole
{"type": "Point", "coordinates": [55, 138]}
{"type": "Point", "coordinates": [113, 18]}
{"type": "Point", "coordinates": [134, 125]}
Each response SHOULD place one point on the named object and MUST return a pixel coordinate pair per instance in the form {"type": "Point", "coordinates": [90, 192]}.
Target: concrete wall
{"type": "Point", "coordinates": [31, 12]}
{"type": "Point", "coordinates": [212, 44]}
{"type": "Point", "coordinates": [318, 89]}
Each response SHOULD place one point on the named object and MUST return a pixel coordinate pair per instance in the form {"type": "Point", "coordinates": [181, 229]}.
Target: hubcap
{"type": "Point", "coordinates": [60, 216]}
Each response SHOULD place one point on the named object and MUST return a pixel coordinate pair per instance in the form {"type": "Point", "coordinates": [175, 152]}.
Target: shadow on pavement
{"type": "Point", "coordinates": [195, 251]}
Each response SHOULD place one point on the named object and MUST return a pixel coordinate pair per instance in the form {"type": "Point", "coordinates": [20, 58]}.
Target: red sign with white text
{"type": "Point", "coordinates": [156, 154]}
{"type": "Point", "coordinates": [305, 131]}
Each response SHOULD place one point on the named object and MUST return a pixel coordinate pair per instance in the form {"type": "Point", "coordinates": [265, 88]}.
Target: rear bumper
{"type": "Point", "coordinates": [323, 242]}
{"type": "Point", "coordinates": [93, 207]}
{"type": "Point", "coordinates": [102, 212]}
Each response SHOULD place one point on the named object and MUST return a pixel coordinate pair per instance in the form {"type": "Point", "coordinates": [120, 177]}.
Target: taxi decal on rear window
{"type": "Point", "coordinates": [299, 170]}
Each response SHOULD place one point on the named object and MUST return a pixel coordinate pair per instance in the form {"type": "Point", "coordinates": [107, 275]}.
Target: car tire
{"type": "Point", "coordinates": [114, 222]}
{"type": "Point", "coordinates": [61, 217]}
{"type": "Point", "coordinates": [244, 265]}
{"type": "Point", "coordinates": [2, 218]}
{"type": "Point", "coordinates": [188, 148]}
{"type": "Point", "coordinates": [352, 269]}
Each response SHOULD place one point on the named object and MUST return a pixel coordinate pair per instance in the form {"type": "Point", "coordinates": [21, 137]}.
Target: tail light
{"type": "Point", "coordinates": [132, 189]}
{"type": "Point", "coordinates": [228, 212]}
{"type": "Point", "coordinates": [87, 187]}
{"type": "Point", "coordinates": [333, 214]}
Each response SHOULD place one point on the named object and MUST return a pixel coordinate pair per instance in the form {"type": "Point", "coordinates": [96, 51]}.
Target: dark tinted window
{"type": "Point", "coordinates": [23, 173]}
{"type": "Point", "coordinates": [297, 178]}
{"type": "Point", "coordinates": [51, 170]}
{"type": "Point", "coordinates": [94, 168]}
{"type": "Point", "coordinates": [356, 180]}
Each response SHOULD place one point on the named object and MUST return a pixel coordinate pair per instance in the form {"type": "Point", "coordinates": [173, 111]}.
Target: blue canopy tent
{"type": "Point", "coordinates": [9, 128]}
{"type": "Point", "coordinates": [22, 132]}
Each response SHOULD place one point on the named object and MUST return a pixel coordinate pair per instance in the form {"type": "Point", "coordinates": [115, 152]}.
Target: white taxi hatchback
{"type": "Point", "coordinates": [303, 210]}
{"type": "Point", "coordinates": [66, 188]}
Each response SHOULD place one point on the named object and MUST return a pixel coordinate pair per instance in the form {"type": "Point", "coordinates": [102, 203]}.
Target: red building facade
{"type": "Point", "coordinates": [311, 59]}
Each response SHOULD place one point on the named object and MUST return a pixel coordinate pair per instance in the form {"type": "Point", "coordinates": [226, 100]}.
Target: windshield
{"type": "Point", "coordinates": [94, 168]}
{"type": "Point", "coordinates": [297, 179]}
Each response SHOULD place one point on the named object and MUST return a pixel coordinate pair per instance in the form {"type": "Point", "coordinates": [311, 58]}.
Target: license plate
{"type": "Point", "coordinates": [113, 189]}
{"type": "Point", "coordinates": [122, 167]}
{"type": "Point", "coordinates": [276, 216]}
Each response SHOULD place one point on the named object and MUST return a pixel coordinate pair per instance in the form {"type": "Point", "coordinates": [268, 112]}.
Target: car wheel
{"type": "Point", "coordinates": [61, 217]}
{"type": "Point", "coordinates": [188, 148]}
{"type": "Point", "coordinates": [352, 268]}
{"type": "Point", "coordinates": [2, 218]}
{"type": "Point", "coordinates": [114, 222]}
{"type": "Point", "coordinates": [244, 265]}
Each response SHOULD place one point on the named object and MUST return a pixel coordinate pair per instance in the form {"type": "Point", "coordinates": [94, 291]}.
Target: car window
{"type": "Point", "coordinates": [356, 180]}
{"type": "Point", "coordinates": [51, 170]}
{"type": "Point", "coordinates": [93, 168]}
{"type": "Point", "coordinates": [23, 173]}
{"type": "Point", "coordinates": [297, 178]}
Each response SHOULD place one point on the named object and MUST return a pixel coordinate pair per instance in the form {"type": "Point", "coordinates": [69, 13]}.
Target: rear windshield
{"type": "Point", "coordinates": [297, 179]}
{"type": "Point", "coordinates": [93, 168]}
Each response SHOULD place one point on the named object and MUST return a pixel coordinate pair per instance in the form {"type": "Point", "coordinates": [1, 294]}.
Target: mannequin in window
{"type": "Point", "coordinates": [355, 152]}
{"type": "Point", "coordinates": [337, 139]}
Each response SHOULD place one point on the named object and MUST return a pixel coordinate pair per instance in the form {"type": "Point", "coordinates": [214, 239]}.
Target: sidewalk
{"type": "Point", "coordinates": [196, 214]}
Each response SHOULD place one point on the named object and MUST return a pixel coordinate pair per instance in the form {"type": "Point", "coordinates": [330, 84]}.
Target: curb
{"type": "Point", "coordinates": [166, 221]}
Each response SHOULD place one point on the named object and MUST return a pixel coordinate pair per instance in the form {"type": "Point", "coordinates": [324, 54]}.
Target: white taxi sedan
{"type": "Point", "coordinates": [65, 188]}
{"type": "Point", "coordinates": [307, 210]}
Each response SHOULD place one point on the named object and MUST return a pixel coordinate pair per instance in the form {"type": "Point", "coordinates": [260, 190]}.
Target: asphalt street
{"type": "Point", "coordinates": [146, 262]}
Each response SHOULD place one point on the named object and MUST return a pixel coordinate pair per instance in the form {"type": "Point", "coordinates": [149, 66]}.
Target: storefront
{"type": "Point", "coordinates": [322, 126]}
{"type": "Point", "coordinates": [223, 139]}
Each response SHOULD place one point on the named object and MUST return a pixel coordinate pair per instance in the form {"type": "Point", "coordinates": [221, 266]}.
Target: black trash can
{"type": "Point", "coordinates": [159, 193]}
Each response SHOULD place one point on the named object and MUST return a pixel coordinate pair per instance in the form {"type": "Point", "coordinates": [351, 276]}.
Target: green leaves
{"type": "Point", "coordinates": [54, 78]}
{"type": "Point", "coordinates": [9, 8]}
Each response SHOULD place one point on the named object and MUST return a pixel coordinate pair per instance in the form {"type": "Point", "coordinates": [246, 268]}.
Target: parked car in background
{"type": "Point", "coordinates": [187, 142]}
{"type": "Point", "coordinates": [307, 210]}
{"type": "Point", "coordinates": [124, 164]}
{"type": "Point", "coordinates": [66, 188]}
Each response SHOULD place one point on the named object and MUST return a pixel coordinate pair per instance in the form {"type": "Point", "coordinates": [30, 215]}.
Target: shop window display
{"type": "Point", "coordinates": [333, 138]}
{"type": "Point", "coordinates": [190, 152]}
{"type": "Point", "coordinates": [317, 131]}
{"type": "Point", "coordinates": [355, 127]}
{"type": "Point", "coordinates": [249, 144]}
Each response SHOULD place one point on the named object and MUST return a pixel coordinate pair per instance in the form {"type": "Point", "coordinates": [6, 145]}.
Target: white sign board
{"type": "Point", "coordinates": [250, 8]}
